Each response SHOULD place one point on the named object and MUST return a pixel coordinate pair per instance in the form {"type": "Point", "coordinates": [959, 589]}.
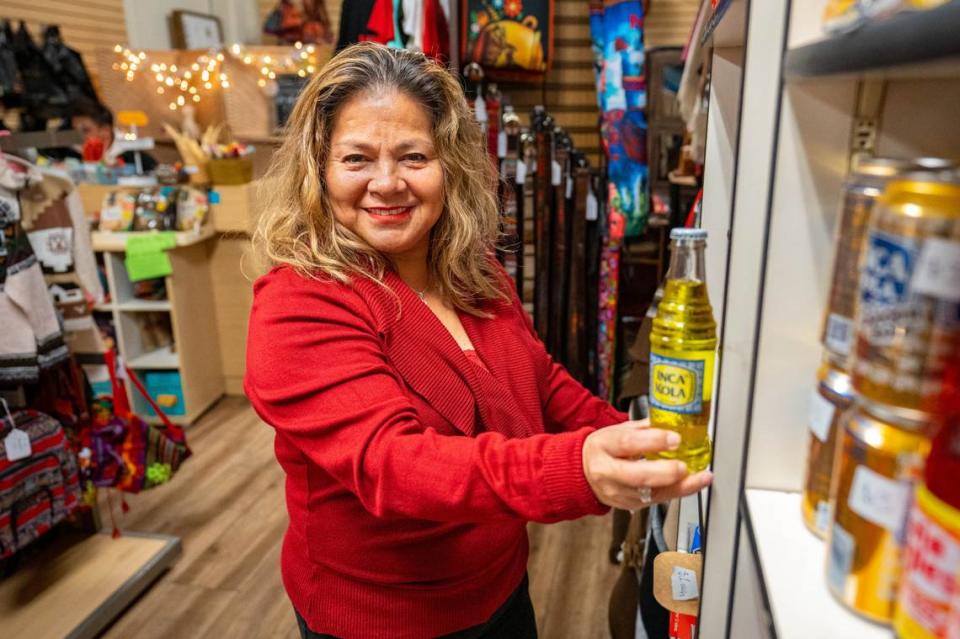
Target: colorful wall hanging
{"type": "Point", "coordinates": [616, 28]}
{"type": "Point", "coordinates": [508, 38]}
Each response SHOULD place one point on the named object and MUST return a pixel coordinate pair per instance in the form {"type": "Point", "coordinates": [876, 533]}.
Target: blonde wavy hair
{"type": "Point", "coordinates": [299, 228]}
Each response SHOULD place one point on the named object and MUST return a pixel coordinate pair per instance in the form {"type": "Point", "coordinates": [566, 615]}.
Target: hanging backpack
{"type": "Point", "coordinates": [128, 453]}
{"type": "Point", "coordinates": [40, 490]}
{"type": "Point", "coordinates": [67, 65]}
{"type": "Point", "coordinates": [43, 97]}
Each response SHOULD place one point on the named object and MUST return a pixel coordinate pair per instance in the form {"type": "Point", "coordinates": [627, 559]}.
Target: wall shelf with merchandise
{"type": "Point", "coordinates": [778, 153]}
{"type": "Point", "coordinates": [170, 340]}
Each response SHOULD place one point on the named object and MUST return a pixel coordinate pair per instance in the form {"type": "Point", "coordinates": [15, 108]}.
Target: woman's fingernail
{"type": "Point", "coordinates": [682, 467]}
{"type": "Point", "coordinates": [673, 440]}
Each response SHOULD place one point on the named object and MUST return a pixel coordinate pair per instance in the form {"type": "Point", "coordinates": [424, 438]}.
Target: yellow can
{"type": "Point", "coordinates": [909, 306]}
{"type": "Point", "coordinates": [830, 399]}
{"type": "Point", "coordinates": [865, 184]}
{"type": "Point", "coordinates": [880, 460]}
{"type": "Point", "coordinates": [931, 563]}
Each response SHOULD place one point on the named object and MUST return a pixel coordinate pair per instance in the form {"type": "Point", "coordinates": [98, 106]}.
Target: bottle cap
{"type": "Point", "coordinates": [688, 234]}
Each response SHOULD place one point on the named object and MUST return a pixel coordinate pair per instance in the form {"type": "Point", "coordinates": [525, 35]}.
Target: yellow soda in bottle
{"type": "Point", "coordinates": [683, 345]}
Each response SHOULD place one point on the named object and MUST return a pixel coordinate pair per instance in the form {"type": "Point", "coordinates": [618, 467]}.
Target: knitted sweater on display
{"type": "Point", "coordinates": [30, 335]}
{"type": "Point", "coordinates": [411, 472]}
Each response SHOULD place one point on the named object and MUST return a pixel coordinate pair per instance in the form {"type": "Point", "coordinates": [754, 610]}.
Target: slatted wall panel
{"type": "Point", "coordinates": [669, 22]}
{"type": "Point", "coordinates": [568, 91]}
{"type": "Point", "coordinates": [333, 10]}
{"type": "Point", "coordinates": [85, 26]}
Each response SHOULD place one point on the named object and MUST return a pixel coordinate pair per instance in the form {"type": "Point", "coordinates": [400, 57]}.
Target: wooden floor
{"type": "Point", "coordinates": [227, 506]}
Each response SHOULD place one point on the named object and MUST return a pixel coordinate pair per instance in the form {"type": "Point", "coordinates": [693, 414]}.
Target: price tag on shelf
{"type": "Point", "coordinates": [683, 583]}
{"type": "Point", "coordinates": [878, 499]}
{"type": "Point", "coordinates": [938, 270]}
{"type": "Point", "coordinates": [821, 415]}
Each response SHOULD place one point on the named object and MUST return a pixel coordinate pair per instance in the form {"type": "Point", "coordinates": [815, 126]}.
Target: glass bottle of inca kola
{"type": "Point", "coordinates": [683, 344]}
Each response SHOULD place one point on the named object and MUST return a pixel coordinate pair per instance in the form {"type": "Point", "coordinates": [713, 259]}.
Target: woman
{"type": "Point", "coordinates": [419, 420]}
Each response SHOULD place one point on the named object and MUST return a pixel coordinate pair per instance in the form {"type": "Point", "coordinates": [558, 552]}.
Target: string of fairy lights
{"type": "Point", "coordinates": [187, 83]}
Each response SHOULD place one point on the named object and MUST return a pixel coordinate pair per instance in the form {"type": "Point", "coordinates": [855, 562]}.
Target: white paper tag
{"type": "Point", "coordinates": [839, 337]}
{"type": "Point", "coordinates": [556, 173]}
{"type": "Point", "coordinates": [821, 415]}
{"type": "Point", "coordinates": [593, 207]}
{"type": "Point", "coordinates": [937, 273]}
{"type": "Point", "coordinates": [822, 518]}
{"type": "Point", "coordinates": [569, 193]}
{"type": "Point", "coordinates": [842, 547]}
{"type": "Point", "coordinates": [683, 583]}
{"type": "Point", "coordinates": [521, 172]}
{"type": "Point", "coordinates": [17, 444]}
{"type": "Point", "coordinates": [878, 499]}
{"type": "Point", "coordinates": [480, 110]}
{"type": "Point", "coordinates": [502, 144]}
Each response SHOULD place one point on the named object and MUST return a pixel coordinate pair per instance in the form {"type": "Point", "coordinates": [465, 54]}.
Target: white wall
{"type": "Point", "coordinates": [147, 20]}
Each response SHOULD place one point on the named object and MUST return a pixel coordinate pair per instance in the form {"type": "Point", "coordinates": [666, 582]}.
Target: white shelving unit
{"type": "Point", "coordinates": [784, 105]}
{"type": "Point", "coordinates": [189, 310]}
{"type": "Point", "coordinates": [791, 562]}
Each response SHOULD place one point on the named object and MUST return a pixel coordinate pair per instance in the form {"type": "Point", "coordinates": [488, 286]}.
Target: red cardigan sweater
{"type": "Point", "coordinates": [411, 471]}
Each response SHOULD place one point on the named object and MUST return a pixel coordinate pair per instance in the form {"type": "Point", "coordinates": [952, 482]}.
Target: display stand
{"type": "Point", "coordinates": [195, 351]}
{"type": "Point", "coordinates": [76, 592]}
{"type": "Point", "coordinates": [791, 561]}
{"type": "Point", "coordinates": [75, 588]}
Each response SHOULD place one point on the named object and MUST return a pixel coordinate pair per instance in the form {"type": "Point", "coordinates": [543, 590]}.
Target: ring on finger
{"type": "Point", "coordinates": [646, 495]}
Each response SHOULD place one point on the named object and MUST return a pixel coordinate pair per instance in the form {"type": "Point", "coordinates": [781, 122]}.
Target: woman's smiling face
{"type": "Point", "coordinates": [383, 177]}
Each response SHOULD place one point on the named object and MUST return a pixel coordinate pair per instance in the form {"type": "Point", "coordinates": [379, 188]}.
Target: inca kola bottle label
{"type": "Point", "coordinates": [683, 382]}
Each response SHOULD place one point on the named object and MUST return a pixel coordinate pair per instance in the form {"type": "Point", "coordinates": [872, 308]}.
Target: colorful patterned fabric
{"type": "Point", "coordinates": [616, 28]}
{"type": "Point", "coordinates": [508, 38]}
{"type": "Point", "coordinates": [39, 491]}
{"type": "Point", "coordinates": [609, 292]}
{"type": "Point", "coordinates": [127, 453]}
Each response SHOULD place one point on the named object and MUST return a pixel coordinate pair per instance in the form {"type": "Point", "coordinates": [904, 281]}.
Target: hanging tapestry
{"type": "Point", "coordinates": [616, 29]}
{"type": "Point", "coordinates": [508, 38]}
{"type": "Point", "coordinates": [609, 290]}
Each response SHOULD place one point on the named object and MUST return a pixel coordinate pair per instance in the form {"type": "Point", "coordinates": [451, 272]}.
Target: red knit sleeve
{"type": "Point", "coordinates": [567, 405]}
{"type": "Point", "coordinates": [317, 371]}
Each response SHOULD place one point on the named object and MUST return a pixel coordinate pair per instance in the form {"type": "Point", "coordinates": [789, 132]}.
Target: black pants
{"type": "Point", "coordinates": [513, 620]}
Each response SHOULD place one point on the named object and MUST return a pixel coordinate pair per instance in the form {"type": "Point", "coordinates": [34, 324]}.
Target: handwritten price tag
{"type": "Point", "coordinates": [683, 583]}
{"type": "Point", "coordinates": [17, 444]}
{"type": "Point", "coordinates": [878, 499]}
{"type": "Point", "coordinates": [938, 270]}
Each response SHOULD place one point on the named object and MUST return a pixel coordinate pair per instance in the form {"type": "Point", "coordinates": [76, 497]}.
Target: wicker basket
{"type": "Point", "coordinates": [231, 170]}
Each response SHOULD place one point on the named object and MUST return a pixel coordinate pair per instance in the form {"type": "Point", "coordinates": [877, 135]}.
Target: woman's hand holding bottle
{"type": "Point", "coordinates": [618, 474]}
